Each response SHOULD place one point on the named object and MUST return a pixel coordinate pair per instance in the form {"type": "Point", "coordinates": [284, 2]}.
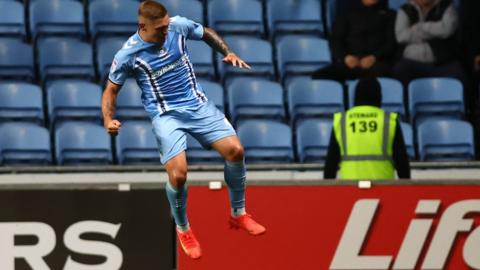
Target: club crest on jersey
{"type": "Point", "coordinates": [163, 52]}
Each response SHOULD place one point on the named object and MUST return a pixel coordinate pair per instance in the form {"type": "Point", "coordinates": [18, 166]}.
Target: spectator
{"type": "Point", "coordinates": [362, 43]}
{"type": "Point", "coordinates": [366, 142]}
{"type": "Point", "coordinates": [426, 31]}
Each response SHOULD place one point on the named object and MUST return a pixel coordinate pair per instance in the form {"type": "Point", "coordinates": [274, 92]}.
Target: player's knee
{"type": "Point", "coordinates": [178, 177]}
{"type": "Point", "coordinates": [236, 153]}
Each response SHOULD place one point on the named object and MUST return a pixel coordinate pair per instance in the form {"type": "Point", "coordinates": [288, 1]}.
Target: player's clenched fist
{"type": "Point", "coordinates": [113, 127]}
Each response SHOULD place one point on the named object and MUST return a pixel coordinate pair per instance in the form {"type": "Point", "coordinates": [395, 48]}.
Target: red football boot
{"type": "Point", "coordinates": [247, 223]}
{"type": "Point", "coordinates": [189, 244]}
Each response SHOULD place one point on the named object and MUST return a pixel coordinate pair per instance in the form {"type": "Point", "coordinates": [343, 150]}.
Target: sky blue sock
{"type": "Point", "coordinates": [178, 203]}
{"type": "Point", "coordinates": [234, 174]}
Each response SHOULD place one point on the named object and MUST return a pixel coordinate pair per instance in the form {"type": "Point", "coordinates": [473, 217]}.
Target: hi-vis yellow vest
{"type": "Point", "coordinates": [365, 136]}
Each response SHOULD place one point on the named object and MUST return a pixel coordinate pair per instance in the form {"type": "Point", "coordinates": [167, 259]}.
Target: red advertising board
{"type": "Point", "coordinates": [340, 227]}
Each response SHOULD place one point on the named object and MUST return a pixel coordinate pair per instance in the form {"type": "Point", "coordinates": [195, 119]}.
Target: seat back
{"type": "Point", "coordinates": [107, 47]}
{"type": "Point", "coordinates": [192, 10]}
{"type": "Point", "coordinates": [255, 98]}
{"type": "Point", "coordinates": [112, 17]}
{"type": "Point", "coordinates": [214, 92]}
{"type": "Point", "coordinates": [12, 19]}
{"type": "Point", "coordinates": [16, 60]}
{"type": "Point", "coordinates": [266, 141]}
{"type": "Point", "coordinates": [129, 102]}
{"type": "Point", "coordinates": [313, 138]}
{"type": "Point", "coordinates": [313, 98]}
{"type": "Point", "coordinates": [445, 140]}
{"type": "Point", "coordinates": [136, 144]}
{"type": "Point", "coordinates": [14, 106]}
{"type": "Point", "coordinates": [24, 144]}
{"type": "Point", "coordinates": [408, 139]}
{"type": "Point", "coordinates": [82, 143]}
{"type": "Point", "coordinates": [201, 56]}
{"type": "Point", "coordinates": [236, 16]}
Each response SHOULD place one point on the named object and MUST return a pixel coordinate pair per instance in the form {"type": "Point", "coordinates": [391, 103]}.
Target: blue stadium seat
{"type": "Point", "coordinates": [197, 154]}
{"type": "Point", "coordinates": [293, 16]}
{"type": "Point", "coordinates": [74, 100]}
{"type": "Point", "coordinates": [392, 95]}
{"type": "Point", "coordinates": [301, 55]}
{"type": "Point", "coordinates": [445, 140]}
{"type": "Point", "coordinates": [255, 98]}
{"type": "Point", "coordinates": [313, 98]}
{"type": "Point", "coordinates": [408, 139]}
{"type": "Point", "coordinates": [54, 17]}
{"type": "Point", "coordinates": [396, 4]}
{"type": "Point", "coordinates": [20, 101]}
{"type": "Point", "coordinates": [60, 57]}
{"type": "Point", "coordinates": [435, 97]}
{"type": "Point", "coordinates": [266, 141]}
{"type": "Point", "coordinates": [107, 47]}
{"type": "Point", "coordinates": [136, 144]}
{"type": "Point", "coordinates": [129, 102]}
{"type": "Point", "coordinates": [12, 19]}
{"type": "Point", "coordinates": [192, 10]}
{"type": "Point", "coordinates": [112, 17]}
{"type": "Point", "coordinates": [214, 92]}
{"type": "Point", "coordinates": [82, 143]}
{"type": "Point", "coordinates": [313, 137]}
{"type": "Point", "coordinates": [24, 144]}
{"type": "Point", "coordinates": [16, 60]}
{"type": "Point", "coordinates": [236, 16]}
{"type": "Point", "coordinates": [201, 56]}
{"type": "Point", "coordinates": [254, 51]}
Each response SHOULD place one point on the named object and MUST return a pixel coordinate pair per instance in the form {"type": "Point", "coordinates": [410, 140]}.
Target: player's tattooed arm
{"type": "Point", "coordinates": [109, 102]}
{"type": "Point", "coordinates": [217, 43]}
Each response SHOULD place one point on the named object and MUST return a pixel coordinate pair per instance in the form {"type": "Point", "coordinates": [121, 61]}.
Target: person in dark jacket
{"type": "Point", "coordinates": [362, 43]}
{"type": "Point", "coordinates": [426, 33]}
{"type": "Point", "coordinates": [366, 142]}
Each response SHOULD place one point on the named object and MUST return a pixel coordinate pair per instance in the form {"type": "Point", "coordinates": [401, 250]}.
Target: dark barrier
{"type": "Point", "coordinates": [71, 229]}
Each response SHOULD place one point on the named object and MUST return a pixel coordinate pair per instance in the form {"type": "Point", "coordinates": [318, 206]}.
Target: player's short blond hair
{"type": "Point", "coordinates": [151, 10]}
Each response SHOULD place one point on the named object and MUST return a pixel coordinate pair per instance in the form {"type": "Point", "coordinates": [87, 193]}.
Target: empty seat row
{"type": "Point", "coordinates": [245, 98]}
{"type": "Point", "coordinates": [106, 17]}
{"type": "Point", "coordinates": [264, 141]}
{"type": "Point", "coordinates": [72, 57]}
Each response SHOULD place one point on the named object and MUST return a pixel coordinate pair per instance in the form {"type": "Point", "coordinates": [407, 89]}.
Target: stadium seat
{"type": "Point", "coordinates": [112, 17]}
{"type": "Point", "coordinates": [20, 101]}
{"type": "Point", "coordinates": [313, 98]}
{"type": "Point", "coordinates": [396, 4]}
{"type": "Point", "coordinates": [236, 16]}
{"type": "Point", "coordinates": [214, 92]}
{"type": "Point", "coordinates": [192, 10]}
{"type": "Point", "coordinates": [16, 60]}
{"type": "Point", "coordinates": [24, 144]}
{"type": "Point", "coordinates": [408, 139]}
{"type": "Point", "coordinates": [201, 56]}
{"type": "Point", "coordinates": [82, 143]}
{"type": "Point", "coordinates": [435, 97]}
{"type": "Point", "coordinates": [392, 95]}
{"type": "Point", "coordinates": [74, 100]}
{"type": "Point", "coordinates": [61, 57]}
{"type": "Point", "coordinates": [313, 138]}
{"type": "Point", "coordinates": [129, 102]}
{"type": "Point", "coordinates": [255, 98]}
{"type": "Point", "coordinates": [266, 141]}
{"type": "Point", "coordinates": [301, 55]}
{"type": "Point", "coordinates": [293, 16]}
{"type": "Point", "coordinates": [136, 144]}
{"type": "Point", "coordinates": [56, 17]}
{"type": "Point", "coordinates": [254, 51]}
{"type": "Point", "coordinates": [12, 19]}
{"type": "Point", "coordinates": [197, 154]}
{"type": "Point", "coordinates": [445, 140]}
{"type": "Point", "coordinates": [106, 48]}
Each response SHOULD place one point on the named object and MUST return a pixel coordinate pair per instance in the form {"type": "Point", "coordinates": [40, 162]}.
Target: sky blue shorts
{"type": "Point", "coordinates": [206, 123]}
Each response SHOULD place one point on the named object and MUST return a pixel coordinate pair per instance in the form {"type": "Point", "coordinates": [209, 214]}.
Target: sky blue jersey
{"type": "Point", "coordinates": [164, 73]}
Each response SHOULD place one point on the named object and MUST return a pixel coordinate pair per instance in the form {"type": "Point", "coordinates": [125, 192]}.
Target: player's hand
{"type": "Point", "coordinates": [112, 127]}
{"type": "Point", "coordinates": [368, 61]}
{"type": "Point", "coordinates": [235, 61]}
{"type": "Point", "coordinates": [351, 61]}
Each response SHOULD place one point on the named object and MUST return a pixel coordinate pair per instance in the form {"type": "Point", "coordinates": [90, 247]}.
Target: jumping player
{"type": "Point", "coordinates": [157, 57]}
